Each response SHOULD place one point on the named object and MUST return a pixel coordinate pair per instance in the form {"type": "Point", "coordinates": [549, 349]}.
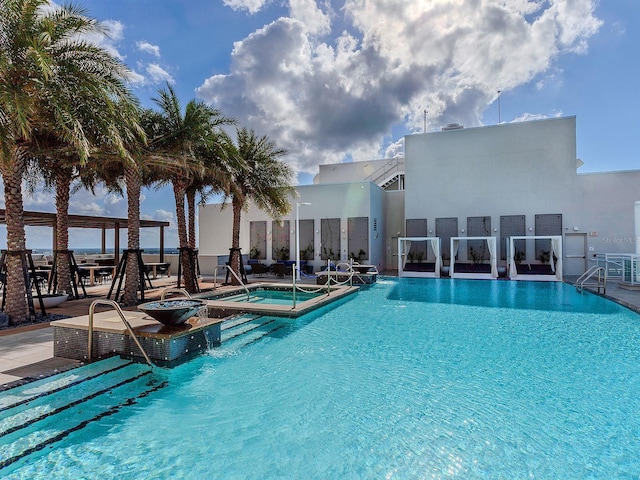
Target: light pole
{"type": "Point", "coordinates": [298, 238]}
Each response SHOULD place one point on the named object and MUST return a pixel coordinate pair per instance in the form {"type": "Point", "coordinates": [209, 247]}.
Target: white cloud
{"type": "Point", "coordinates": [527, 117]}
{"type": "Point", "coordinates": [136, 79]}
{"type": "Point", "coordinates": [311, 16]}
{"type": "Point", "coordinates": [114, 34]}
{"type": "Point", "coordinates": [321, 96]}
{"type": "Point", "coordinates": [158, 74]}
{"type": "Point", "coordinates": [148, 48]}
{"type": "Point", "coordinates": [163, 216]}
{"type": "Point", "coordinates": [86, 208]}
{"type": "Point", "coordinates": [252, 6]}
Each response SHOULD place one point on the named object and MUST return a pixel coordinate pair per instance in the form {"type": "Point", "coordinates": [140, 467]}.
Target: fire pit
{"type": "Point", "coordinates": [173, 311]}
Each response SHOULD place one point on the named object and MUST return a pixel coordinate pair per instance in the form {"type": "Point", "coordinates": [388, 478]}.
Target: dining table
{"type": "Point", "coordinates": [154, 268]}
{"type": "Point", "coordinates": [92, 271]}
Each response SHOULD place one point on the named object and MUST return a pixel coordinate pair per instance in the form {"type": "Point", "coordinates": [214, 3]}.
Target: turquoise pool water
{"type": "Point", "coordinates": [270, 296]}
{"type": "Point", "coordinates": [515, 380]}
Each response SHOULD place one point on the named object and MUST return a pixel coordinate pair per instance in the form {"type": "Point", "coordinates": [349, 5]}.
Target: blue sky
{"type": "Point", "coordinates": [334, 81]}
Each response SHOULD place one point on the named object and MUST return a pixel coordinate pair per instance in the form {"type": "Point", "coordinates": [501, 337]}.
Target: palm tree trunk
{"type": "Point", "coordinates": [187, 271]}
{"type": "Point", "coordinates": [191, 210]}
{"type": "Point", "coordinates": [16, 303]}
{"type": "Point", "coordinates": [133, 180]}
{"type": "Point", "coordinates": [234, 261]}
{"type": "Point", "coordinates": [63, 269]}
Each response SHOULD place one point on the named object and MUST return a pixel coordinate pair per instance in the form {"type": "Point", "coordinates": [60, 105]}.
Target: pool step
{"type": "Point", "coordinates": [35, 415]}
{"type": "Point", "coordinates": [246, 329]}
{"type": "Point", "coordinates": [243, 298]}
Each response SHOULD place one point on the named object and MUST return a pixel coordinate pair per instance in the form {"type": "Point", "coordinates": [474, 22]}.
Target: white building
{"type": "Point", "coordinates": [516, 179]}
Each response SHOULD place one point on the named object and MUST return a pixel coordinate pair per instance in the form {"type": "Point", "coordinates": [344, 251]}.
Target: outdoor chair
{"type": "Point", "coordinates": [260, 269]}
{"type": "Point", "coordinates": [162, 269]}
{"type": "Point", "coordinates": [280, 269]}
{"type": "Point", "coordinates": [103, 274]}
{"type": "Point", "coordinates": [83, 276]}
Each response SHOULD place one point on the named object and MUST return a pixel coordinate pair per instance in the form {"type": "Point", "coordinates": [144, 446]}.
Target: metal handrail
{"type": "Point", "coordinates": [117, 308]}
{"type": "Point", "coordinates": [383, 171]}
{"type": "Point", "coordinates": [596, 269]}
{"type": "Point", "coordinates": [228, 267]}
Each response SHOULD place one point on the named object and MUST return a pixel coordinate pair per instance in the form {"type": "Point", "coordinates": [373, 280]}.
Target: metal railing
{"type": "Point", "coordinates": [613, 263]}
{"type": "Point", "coordinates": [117, 308]}
{"type": "Point", "coordinates": [390, 168]}
{"type": "Point", "coordinates": [228, 267]}
{"type": "Point", "coordinates": [592, 272]}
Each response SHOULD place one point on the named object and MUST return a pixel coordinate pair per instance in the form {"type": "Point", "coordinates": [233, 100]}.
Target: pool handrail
{"type": "Point", "coordinates": [228, 267]}
{"type": "Point", "coordinates": [120, 313]}
{"type": "Point", "coordinates": [592, 272]}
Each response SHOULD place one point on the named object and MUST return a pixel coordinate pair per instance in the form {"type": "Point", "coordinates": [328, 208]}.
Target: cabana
{"type": "Point", "coordinates": [480, 271]}
{"type": "Point", "coordinates": [430, 269]}
{"type": "Point", "coordinates": [550, 271]}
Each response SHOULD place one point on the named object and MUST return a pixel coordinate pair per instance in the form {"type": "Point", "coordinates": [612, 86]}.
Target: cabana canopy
{"type": "Point", "coordinates": [46, 219]}
{"type": "Point", "coordinates": [555, 249]}
{"type": "Point", "coordinates": [493, 261]}
{"type": "Point", "coordinates": [404, 246]}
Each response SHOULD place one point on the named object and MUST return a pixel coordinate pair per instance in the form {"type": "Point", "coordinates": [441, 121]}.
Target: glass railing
{"type": "Point", "coordinates": [631, 269]}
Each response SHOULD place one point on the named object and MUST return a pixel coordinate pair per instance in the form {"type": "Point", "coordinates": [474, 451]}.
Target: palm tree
{"type": "Point", "coordinates": [113, 131]}
{"type": "Point", "coordinates": [262, 178]}
{"type": "Point", "coordinates": [178, 137]}
{"type": "Point", "coordinates": [45, 69]}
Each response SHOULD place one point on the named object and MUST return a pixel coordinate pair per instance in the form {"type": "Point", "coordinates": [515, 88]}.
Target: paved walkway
{"type": "Point", "coordinates": [27, 353]}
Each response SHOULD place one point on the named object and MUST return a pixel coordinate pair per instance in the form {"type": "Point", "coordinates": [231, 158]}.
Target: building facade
{"type": "Point", "coordinates": [516, 179]}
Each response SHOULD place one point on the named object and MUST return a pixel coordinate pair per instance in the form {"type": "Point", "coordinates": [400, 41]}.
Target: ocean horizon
{"type": "Point", "coordinates": [96, 251]}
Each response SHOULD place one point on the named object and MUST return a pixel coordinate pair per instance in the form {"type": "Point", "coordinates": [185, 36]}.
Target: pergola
{"type": "Point", "coordinates": [46, 219]}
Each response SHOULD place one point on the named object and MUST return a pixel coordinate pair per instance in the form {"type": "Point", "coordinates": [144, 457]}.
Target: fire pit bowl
{"type": "Point", "coordinates": [174, 311]}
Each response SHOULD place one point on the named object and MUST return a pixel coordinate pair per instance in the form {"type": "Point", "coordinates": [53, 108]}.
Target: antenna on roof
{"type": "Point", "coordinates": [499, 107]}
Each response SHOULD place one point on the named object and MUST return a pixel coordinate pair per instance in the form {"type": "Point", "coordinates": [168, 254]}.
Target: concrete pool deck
{"type": "Point", "coordinates": [26, 353]}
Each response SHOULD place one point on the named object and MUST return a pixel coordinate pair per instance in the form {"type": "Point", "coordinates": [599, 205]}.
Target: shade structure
{"type": "Point", "coordinates": [47, 219]}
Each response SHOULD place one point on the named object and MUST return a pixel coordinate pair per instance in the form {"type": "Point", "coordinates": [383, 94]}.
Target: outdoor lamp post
{"type": "Point", "coordinates": [298, 238]}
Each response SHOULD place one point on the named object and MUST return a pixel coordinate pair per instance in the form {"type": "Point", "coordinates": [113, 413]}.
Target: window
{"type": "Point", "coordinates": [445, 229]}
{"type": "Point", "coordinates": [258, 240]}
{"type": "Point", "coordinates": [417, 227]}
{"type": "Point", "coordinates": [477, 250]}
{"type": "Point", "coordinates": [280, 238]}
{"type": "Point", "coordinates": [547, 224]}
{"type": "Point", "coordinates": [358, 238]}
{"type": "Point", "coordinates": [512, 226]}
{"type": "Point", "coordinates": [307, 244]}
{"type": "Point", "coordinates": [330, 238]}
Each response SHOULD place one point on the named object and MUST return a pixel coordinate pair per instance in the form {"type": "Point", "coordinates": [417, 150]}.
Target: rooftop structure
{"type": "Point", "coordinates": [508, 180]}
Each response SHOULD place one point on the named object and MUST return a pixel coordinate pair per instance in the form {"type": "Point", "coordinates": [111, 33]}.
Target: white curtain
{"type": "Point", "coordinates": [491, 243]}
{"type": "Point", "coordinates": [556, 249]}
{"type": "Point", "coordinates": [435, 246]}
{"type": "Point", "coordinates": [454, 252]}
{"type": "Point", "coordinates": [513, 272]}
{"type": "Point", "coordinates": [406, 247]}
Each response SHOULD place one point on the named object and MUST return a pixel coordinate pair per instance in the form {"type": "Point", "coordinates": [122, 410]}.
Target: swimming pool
{"type": "Point", "coordinates": [515, 380]}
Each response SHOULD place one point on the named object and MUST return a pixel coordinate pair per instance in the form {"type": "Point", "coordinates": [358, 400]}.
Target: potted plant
{"type": "Point", "coordinates": [476, 257]}
{"type": "Point", "coordinates": [545, 256]}
{"type": "Point", "coordinates": [283, 253]}
{"type": "Point", "coordinates": [254, 253]}
{"type": "Point", "coordinates": [360, 256]}
{"type": "Point", "coordinates": [307, 253]}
